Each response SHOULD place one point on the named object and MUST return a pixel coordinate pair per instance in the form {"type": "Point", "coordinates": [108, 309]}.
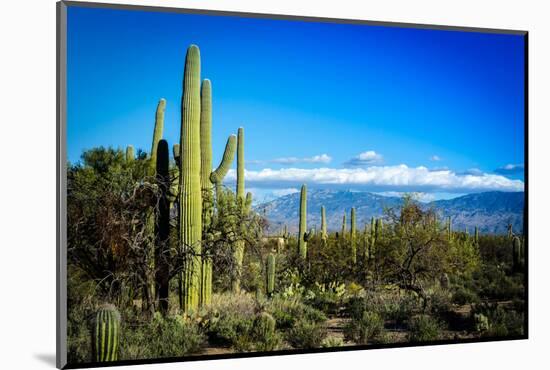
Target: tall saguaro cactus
{"type": "Point", "coordinates": [343, 231]}
{"type": "Point", "coordinates": [210, 178]}
{"type": "Point", "coordinates": [323, 224]}
{"type": "Point", "coordinates": [190, 197]}
{"type": "Point", "coordinates": [238, 253]}
{"type": "Point", "coordinates": [302, 227]}
{"type": "Point", "coordinates": [353, 237]}
{"type": "Point", "coordinates": [105, 334]}
{"type": "Point", "coordinates": [449, 229]}
{"type": "Point", "coordinates": [476, 236]}
{"type": "Point", "coordinates": [162, 226]}
{"type": "Point", "coordinates": [159, 129]}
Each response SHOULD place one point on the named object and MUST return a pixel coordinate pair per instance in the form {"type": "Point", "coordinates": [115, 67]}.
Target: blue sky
{"type": "Point", "coordinates": [361, 107]}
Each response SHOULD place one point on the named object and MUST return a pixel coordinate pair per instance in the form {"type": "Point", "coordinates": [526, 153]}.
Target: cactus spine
{"type": "Point", "coordinates": [162, 225]}
{"type": "Point", "coordinates": [302, 227]}
{"type": "Point", "coordinates": [157, 133]}
{"type": "Point", "coordinates": [129, 153]}
{"type": "Point", "coordinates": [190, 197]}
{"type": "Point", "coordinates": [353, 235]}
{"type": "Point", "coordinates": [238, 253]}
{"type": "Point", "coordinates": [105, 334]}
{"type": "Point", "coordinates": [270, 269]}
{"type": "Point", "coordinates": [323, 224]}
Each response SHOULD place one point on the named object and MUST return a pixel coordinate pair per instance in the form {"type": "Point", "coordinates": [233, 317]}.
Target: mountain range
{"type": "Point", "coordinates": [491, 212]}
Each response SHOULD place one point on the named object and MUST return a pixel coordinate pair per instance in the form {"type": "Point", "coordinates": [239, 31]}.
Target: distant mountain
{"type": "Point", "coordinates": [490, 211]}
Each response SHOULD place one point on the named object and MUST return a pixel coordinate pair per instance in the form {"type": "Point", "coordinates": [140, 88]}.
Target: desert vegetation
{"type": "Point", "coordinates": [166, 260]}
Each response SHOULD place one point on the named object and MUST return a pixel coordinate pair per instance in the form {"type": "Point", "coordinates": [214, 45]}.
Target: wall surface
{"type": "Point", "coordinates": [27, 189]}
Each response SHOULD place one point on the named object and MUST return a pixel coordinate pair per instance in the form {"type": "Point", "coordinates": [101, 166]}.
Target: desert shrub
{"type": "Point", "coordinates": [503, 321]}
{"type": "Point", "coordinates": [389, 305]}
{"type": "Point", "coordinates": [170, 336]}
{"type": "Point", "coordinates": [439, 301]}
{"type": "Point", "coordinates": [331, 342]}
{"type": "Point", "coordinates": [79, 339]}
{"type": "Point", "coordinates": [264, 333]}
{"type": "Point", "coordinates": [462, 296]}
{"type": "Point", "coordinates": [287, 311]}
{"type": "Point", "coordinates": [492, 282]}
{"type": "Point", "coordinates": [423, 328]}
{"type": "Point", "coordinates": [229, 320]}
{"type": "Point", "coordinates": [307, 334]}
{"type": "Point", "coordinates": [365, 329]}
{"type": "Point", "coordinates": [327, 297]}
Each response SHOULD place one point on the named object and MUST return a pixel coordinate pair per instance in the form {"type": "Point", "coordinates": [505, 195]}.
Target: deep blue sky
{"type": "Point", "coordinates": [302, 89]}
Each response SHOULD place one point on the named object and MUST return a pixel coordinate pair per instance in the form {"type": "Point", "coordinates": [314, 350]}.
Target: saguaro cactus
{"type": "Point", "coordinates": [157, 133]}
{"type": "Point", "coordinates": [210, 178]}
{"type": "Point", "coordinates": [190, 197]}
{"type": "Point", "coordinates": [302, 227]}
{"type": "Point", "coordinates": [238, 253]}
{"type": "Point", "coordinates": [476, 236]}
{"type": "Point", "coordinates": [510, 231]}
{"type": "Point", "coordinates": [449, 229]}
{"type": "Point", "coordinates": [323, 224]}
{"type": "Point", "coordinates": [353, 237]}
{"type": "Point", "coordinates": [176, 153]}
{"type": "Point", "coordinates": [343, 231]}
{"type": "Point", "coordinates": [372, 237]}
{"type": "Point", "coordinates": [270, 274]}
{"type": "Point", "coordinates": [129, 153]}
{"type": "Point", "coordinates": [105, 334]}
{"type": "Point", "coordinates": [162, 226]}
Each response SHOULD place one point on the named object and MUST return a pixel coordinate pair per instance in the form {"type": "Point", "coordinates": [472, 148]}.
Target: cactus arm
{"type": "Point", "coordinates": [240, 164]}
{"type": "Point", "coordinates": [228, 155]}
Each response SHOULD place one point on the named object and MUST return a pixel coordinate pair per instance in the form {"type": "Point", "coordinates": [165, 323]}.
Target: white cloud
{"type": "Point", "coordinates": [283, 192]}
{"type": "Point", "coordinates": [396, 178]}
{"type": "Point", "coordinates": [365, 158]}
{"type": "Point", "coordinates": [322, 158]}
{"type": "Point", "coordinates": [435, 158]}
{"type": "Point", "coordinates": [510, 169]}
{"type": "Point", "coordinates": [473, 172]}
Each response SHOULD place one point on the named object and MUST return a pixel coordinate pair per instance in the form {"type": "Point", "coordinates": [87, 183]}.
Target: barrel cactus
{"type": "Point", "coordinates": [105, 334]}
